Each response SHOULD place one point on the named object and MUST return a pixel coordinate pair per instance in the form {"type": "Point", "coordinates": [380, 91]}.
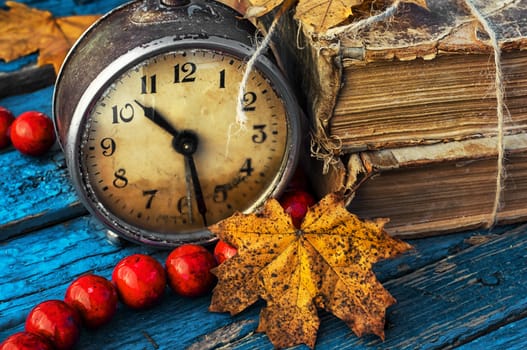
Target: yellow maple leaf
{"type": "Point", "coordinates": [24, 30]}
{"type": "Point", "coordinates": [327, 264]}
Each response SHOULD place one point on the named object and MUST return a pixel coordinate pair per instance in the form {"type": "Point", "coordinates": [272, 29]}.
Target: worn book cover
{"type": "Point", "coordinates": [403, 113]}
{"type": "Point", "coordinates": [432, 189]}
{"type": "Point", "coordinates": [418, 77]}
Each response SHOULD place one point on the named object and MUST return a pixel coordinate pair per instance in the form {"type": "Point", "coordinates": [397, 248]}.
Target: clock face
{"type": "Point", "coordinates": [162, 150]}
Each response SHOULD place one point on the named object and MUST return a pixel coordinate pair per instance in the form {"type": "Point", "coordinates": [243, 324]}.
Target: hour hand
{"type": "Point", "coordinates": [152, 114]}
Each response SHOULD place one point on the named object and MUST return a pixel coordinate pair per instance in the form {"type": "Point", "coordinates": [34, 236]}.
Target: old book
{"type": "Point", "coordinates": [434, 189]}
{"type": "Point", "coordinates": [418, 77]}
{"type": "Point", "coordinates": [410, 103]}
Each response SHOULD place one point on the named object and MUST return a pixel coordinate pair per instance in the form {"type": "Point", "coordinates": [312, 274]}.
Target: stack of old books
{"type": "Point", "coordinates": [404, 114]}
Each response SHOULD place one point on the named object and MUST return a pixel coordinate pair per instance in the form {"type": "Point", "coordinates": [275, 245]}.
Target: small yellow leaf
{"type": "Point", "coordinates": [24, 30]}
{"type": "Point", "coordinates": [320, 15]}
{"type": "Point", "coordinates": [316, 15]}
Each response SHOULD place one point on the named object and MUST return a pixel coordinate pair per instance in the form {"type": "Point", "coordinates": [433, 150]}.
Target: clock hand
{"type": "Point", "coordinates": [190, 191]}
{"type": "Point", "coordinates": [186, 143]}
{"type": "Point", "coordinates": [152, 114]}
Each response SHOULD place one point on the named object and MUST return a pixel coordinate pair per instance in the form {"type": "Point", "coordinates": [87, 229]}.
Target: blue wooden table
{"type": "Point", "coordinates": [466, 290]}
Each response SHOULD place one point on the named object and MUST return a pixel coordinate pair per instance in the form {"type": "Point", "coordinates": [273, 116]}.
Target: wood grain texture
{"type": "Point", "coordinates": [447, 303]}
{"type": "Point", "coordinates": [36, 191]}
{"type": "Point", "coordinates": [40, 265]}
{"type": "Point", "coordinates": [27, 79]}
{"type": "Point", "coordinates": [510, 336]}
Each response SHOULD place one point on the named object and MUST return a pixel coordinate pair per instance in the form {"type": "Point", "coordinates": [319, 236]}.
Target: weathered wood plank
{"type": "Point", "coordinates": [444, 304]}
{"type": "Point", "coordinates": [35, 191]}
{"type": "Point", "coordinates": [457, 298]}
{"type": "Point", "coordinates": [39, 100]}
{"type": "Point", "coordinates": [13, 66]}
{"type": "Point", "coordinates": [25, 80]}
{"type": "Point", "coordinates": [432, 249]}
{"type": "Point", "coordinates": [510, 336]}
{"type": "Point", "coordinates": [40, 265]}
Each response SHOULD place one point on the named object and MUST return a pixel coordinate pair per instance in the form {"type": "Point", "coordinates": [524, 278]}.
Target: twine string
{"type": "Point", "coordinates": [327, 148]}
{"type": "Point", "coordinates": [500, 111]}
{"type": "Point", "coordinates": [498, 82]}
{"type": "Point", "coordinates": [241, 117]}
{"type": "Point", "coordinates": [366, 22]}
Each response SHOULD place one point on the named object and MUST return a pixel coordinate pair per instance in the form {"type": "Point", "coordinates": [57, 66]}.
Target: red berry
{"type": "Point", "coordinates": [94, 298]}
{"type": "Point", "coordinates": [296, 203]}
{"type": "Point", "coordinates": [56, 321]}
{"type": "Point", "coordinates": [224, 251]}
{"type": "Point", "coordinates": [188, 268]}
{"type": "Point", "coordinates": [6, 119]}
{"type": "Point", "coordinates": [140, 281]}
{"type": "Point", "coordinates": [32, 133]}
{"type": "Point", "coordinates": [26, 341]}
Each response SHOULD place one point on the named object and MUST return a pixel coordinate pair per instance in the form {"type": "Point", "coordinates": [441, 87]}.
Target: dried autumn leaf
{"type": "Point", "coordinates": [24, 30]}
{"type": "Point", "coordinates": [325, 264]}
{"type": "Point", "coordinates": [316, 15]}
{"type": "Point", "coordinates": [320, 15]}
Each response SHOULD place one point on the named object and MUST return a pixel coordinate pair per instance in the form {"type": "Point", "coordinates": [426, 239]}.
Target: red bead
{"type": "Point", "coordinates": [94, 298]}
{"type": "Point", "coordinates": [224, 251]}
{"type": "Point", "coordinates": [32, 133]}
{"type": "Point", "coordinates": [6, 119]}
{"type": "Point", "coordinates": [56, 321]}
{"type": "Point", "coordinates": [296, 203]}
{"type": "Point", "coordinates": [140, 281]}
{"type": "Point", "coordinates": [188, 269]}
{"type": "Point", "coordinates": [26, 341]}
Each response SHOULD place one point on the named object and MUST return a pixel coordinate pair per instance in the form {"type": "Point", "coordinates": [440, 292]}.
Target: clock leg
{"type": "Point", "coordinates": [114, 239]}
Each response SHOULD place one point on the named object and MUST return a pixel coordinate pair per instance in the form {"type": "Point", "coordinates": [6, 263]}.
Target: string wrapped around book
{"type": "Point", "coordinates": [327, 148]}
{"type": "Point", "coordinates": [501, 108]}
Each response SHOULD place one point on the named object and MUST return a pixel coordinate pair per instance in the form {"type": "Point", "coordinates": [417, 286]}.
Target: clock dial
{"type": "Point", "coordinates": [162, 150]}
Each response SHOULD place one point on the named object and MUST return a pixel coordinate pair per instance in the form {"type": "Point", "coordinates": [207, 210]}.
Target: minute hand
{"type": "Point", "coordinates": [187, 144]}
{"type": "Point", "coordinates": [158, 119]}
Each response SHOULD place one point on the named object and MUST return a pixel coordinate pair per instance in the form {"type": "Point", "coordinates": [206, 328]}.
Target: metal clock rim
{"type": "Point", "coordinates": [134, 57]}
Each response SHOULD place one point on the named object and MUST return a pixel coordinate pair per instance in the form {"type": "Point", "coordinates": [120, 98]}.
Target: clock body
{"type": "Point", "coordinates": [158, 138]}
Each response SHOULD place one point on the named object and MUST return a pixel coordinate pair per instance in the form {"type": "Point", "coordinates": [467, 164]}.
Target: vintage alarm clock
{"type": "Point", "coordinates": [145, 111]}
